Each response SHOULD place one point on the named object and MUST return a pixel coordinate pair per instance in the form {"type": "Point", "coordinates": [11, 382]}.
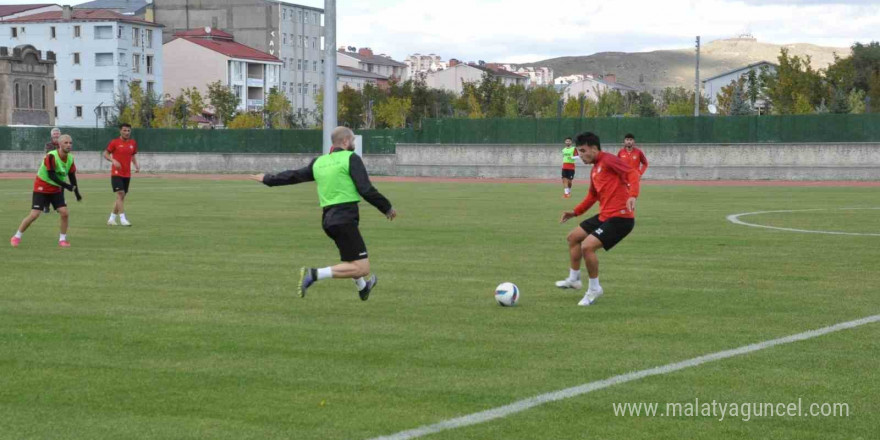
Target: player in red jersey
{"type": "Point", "coordinates": [122, 153]}
{"type": "Point", "coordinates": [615, 186]}
{"type": "Point", "coordinates": [633, 157]}
{"type": "Point", "coordinates": [49, 186]}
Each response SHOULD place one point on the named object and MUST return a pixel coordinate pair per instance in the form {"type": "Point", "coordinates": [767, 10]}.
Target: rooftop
{"type": "Point", "coordinates": [80, 15]}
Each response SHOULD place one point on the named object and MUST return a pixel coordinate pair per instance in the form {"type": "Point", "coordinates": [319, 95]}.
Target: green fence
{"type": "Point", "coordinates": [214, 141]}
{"type": "Point", "coordinates": [671, 130]}
{"type": "Point", "coordinates": [668, 130]}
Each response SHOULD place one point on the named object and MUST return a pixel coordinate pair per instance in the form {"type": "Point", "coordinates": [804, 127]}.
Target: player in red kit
{"type": "Point", "coordinates": [615, 186]}
{"type": "Point", "coordinates": [122, 153]}
{"type": "Point", "coordinates": [633, 157]}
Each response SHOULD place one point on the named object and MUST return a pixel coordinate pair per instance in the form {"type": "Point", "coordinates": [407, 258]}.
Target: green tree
{"type": "Point", "coordinates": [802, 105]}
{"type": "Point", "coordinates": [195, 106]}
{"type": "Point", "coordinates": [734, 99]}
{"type": "Point", "coordinates": [866, 61]}
{"type": "Point", "coordinates": [278, 109]}
{"type": "Point", "coordinates": [856, 99]}
{"type": "Point", "coordinates": [224, 101]}
{"type": "Point", "coordinates": [793, 85]}
{"type": "Point", "coordinates": [646, 106]}
{"type": "Point", "coordinates": [874, 92]}
{"type": "Point", "coordinates": [350, 108]}
{"type": "Point", "coordinates": [572, 108]}
{"type": "Point", "coordinates": [839, 101]}
{"type": "Point", "coordinates": [245, 120]}
{"type": "Point", "coordinates": [541, 102]}
{"type": "Point", "coordinates": [392, 112]}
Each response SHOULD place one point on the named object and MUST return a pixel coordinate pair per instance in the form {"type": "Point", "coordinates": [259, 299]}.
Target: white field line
{"type": "Point", "coordinates": [734, 218]}
{"type": "Point", "coordinates": [531, 402]}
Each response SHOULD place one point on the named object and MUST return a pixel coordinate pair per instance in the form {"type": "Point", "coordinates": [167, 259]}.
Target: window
{"type": "Point", "coordinates": [315, 89]}
{"type": "Point", "coordinates": [76, 32]}
{"type": "Point", "coordinates": [30, 96]}
{"type": "Point", "coordinates": [121, 58]}
{"type": "Point", "coordinates": [306, 89]}
{"type": "Point", "coordinates": [79, 111]}
{"type": "Point", "coordinates": [136, 63]}
{"type": "Point", "coordinates": [151, 87]}
{"type": "Point", "coordinates": [237, 90]}
{"type": "Point", "coordinates": [299, 87]}
{"type": "Point", "coordinates": [14, 32]}
{"type": "Point", "coordinates": [104, 59]}
{"type": "Point", "coordinates": [299, 64]}
{"type": "Point", "coordinates": [298, 15]}
{"type": "Point", "coordinates": [283, 14]}
{"type": "Point", "coordinates": [284, 85]}
{"type": "Point", "coordinates": [284, 38]}
{"type": "Point", "coordinates": [119, 31]}
{"type": "Point", "coordinates": [135, 37]}
{"type": "Point", "coordinates": [149, 64]}
{"type": "Point", "coordinates": [149, 43]}
{"type": "Point", "coordinates": [43, 97]}
{"type": "Point", "coordinates": [314, 42]}
{"type": "Point", "coordinates": [76, 58]}
{"type": "Point", "coordinates": [306, 17]}
{"type": "Point", "coordinates": [284, 63]}
{"type": "Point", "coordinates": [300, 41]}
{"type": "Point", "coordinates": [104, 86]}
{"type": "Point", "coordinates": [103, 32]}
{"type": "Point", "coordinates": [314, 66]}
{"type": "Point", "coordinates": [52, 32]}
{"type": "Point", "coordinates": [56, 111]}
{"type": "Point", "coordinates": [291, 89]}
{"type": "Point", "coordinates": [78, 85]}
{"type": "Point", "coordinates": [55, 85]}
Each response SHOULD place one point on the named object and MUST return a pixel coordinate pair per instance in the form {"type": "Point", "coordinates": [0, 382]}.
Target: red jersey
{"type": "Point", "coordinates": [41, 186]}
{"type": "Point", "coordinates": [122, 151]}
{"type": "Point", "coordinates": [612, 183]}
{"type": "Point", "coordinates": [635, 159]}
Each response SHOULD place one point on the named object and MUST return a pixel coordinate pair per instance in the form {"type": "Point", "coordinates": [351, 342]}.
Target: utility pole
{"type": "Point", "coordinates": [329, 71]}
{"type": "Point", "coordinates": [697, 82]}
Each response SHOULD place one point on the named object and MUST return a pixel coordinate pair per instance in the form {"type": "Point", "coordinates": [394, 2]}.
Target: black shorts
{"type": "Point", "coordinates": [348, 240]}
{"type": "Point", "coordinates": [42, 200]}
{"type": "Point", "coordinates": [609, 232]}
{"type": "Point", "coordinates": [120, 183]}
{"type": "Point", "coordinates": [567, 174]}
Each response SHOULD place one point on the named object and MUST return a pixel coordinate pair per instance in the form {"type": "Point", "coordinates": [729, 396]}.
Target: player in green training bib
{"type": "Point", "coordinates": [342, 180]}
{"type": "Point", "coordinates": [49, 186]}
{"type": "Point", "coordinates": [569, 156]}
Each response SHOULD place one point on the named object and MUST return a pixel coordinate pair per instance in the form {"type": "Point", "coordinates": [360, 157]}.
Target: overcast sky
{"type": "Point", "coordinates": [531, 30]}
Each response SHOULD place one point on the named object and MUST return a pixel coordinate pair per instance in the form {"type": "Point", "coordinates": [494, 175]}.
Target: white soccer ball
{"type": "Point", "coordinates": [507, 294]}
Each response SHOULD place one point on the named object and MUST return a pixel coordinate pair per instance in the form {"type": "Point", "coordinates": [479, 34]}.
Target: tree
{"type": "Point", "coordinates": [793, 80]}
{"type": "Point", "coordinates": [866, 62]}
{"type": "Point", "coordinates": [351, 108]}
{"type": "Point", "coordinates": [874, 92]}
{"type": "Point", "coordinates": [734, 99]}
{"type": "Point", "coordinates": [246, 120]}
{"type": "Point", "coordinates": [541, 102]}
{"type": "Point", "coordinates": [572, 108]}
{"type": "Point", "coordinates": [609, 103]}
{"type": "Point", "coordinates": [839, 101]}
{"type": "Point", "coordinates": [646, 107]}
{"type": "Point", "coordinates": [223, 100]}
{"type": "Point", "coordinates": [195, 106]}
{"type": "Point", "coordinates": [802, 105]}
{"type": "Point", "coordinates": [678, 101]}
{"type": "Point", "coordinates": [392, 112]}
{"type": "Point", "coordinates": [856, 99]}
{"type": "Point", "coordinates": [278, 109]}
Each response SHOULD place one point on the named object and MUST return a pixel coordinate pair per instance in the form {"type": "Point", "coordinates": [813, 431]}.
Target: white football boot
{"type": "Point", "coordinates": [591, 296]}
{"type": "Point", "coordinates": [569, 284]}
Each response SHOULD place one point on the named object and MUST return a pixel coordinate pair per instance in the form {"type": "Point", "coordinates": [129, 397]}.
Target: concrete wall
{"type": "Point", "coordinates": [684, 162]}
{"type": "Point", "coordinates": [680, 162]}
{"type": "Point", "coordinates": [91, 161]}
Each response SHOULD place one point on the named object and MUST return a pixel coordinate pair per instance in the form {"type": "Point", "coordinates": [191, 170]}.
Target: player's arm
{"type": "Point", "coordinates": [583, 206]}
{"type": "Point", "coordinates": [134, 160]}
{"type": "Point", "coordinates": [75, 187]}
{"type": "Point", "coordinates": [289, 177]}
{"type": "Point", "coordinates": [358, 172]}
{"type": "Point", "coordinates": [110, 159]}
{"type": "Point", "coordinates": [644, 161]}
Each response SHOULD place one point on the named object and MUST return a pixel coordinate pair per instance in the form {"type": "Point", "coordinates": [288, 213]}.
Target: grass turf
{"type": "Point", "coordinates": [186, 325]}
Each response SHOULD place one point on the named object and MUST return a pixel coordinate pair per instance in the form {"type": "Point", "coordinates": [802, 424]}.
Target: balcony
{"type": "Point", "coordinates": [254, 103]}
{"type": "Point", "coordinates": [255, 82]}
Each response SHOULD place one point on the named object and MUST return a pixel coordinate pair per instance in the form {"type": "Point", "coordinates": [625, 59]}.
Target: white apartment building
{"type": "Point", "coordinates": [453, 78]}
{"type": "Point", "coordinates": [248, 72]}
{"type": "Point", "coordinates": [417, 63]}
{"type": "Point", "coordinates": [98, 53]}
{"type": "Point", "coordinates": [568, 79]}
{"type": "Point", "coordinates": [364, 59]}
{"type": "Point", "coordinates": [300, 50]}
{"type": "Point", "coordinates": [538, 76]}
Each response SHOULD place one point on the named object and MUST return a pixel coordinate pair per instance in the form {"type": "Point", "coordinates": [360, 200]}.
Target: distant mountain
{"type": "Point", "coordinates": [653, 71]}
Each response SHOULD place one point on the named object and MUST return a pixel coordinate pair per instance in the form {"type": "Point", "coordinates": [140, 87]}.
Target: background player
{"type": "Point", "coordinates": [121, 152]}
{"type": "Point", "coordinates": [568, 160]}
{"type": "Point", "coordinates": [633, 157]}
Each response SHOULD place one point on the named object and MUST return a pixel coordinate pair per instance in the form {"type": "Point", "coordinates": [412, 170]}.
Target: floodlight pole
{"type": "Point", "coordinates": [697, 82]}
{"type": "Point", "coordinates": [329, 72]}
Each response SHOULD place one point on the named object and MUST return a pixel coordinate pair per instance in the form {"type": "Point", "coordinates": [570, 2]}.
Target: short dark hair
{"type": "Point", "coordinates": [629, 136]}
{"type": "Point", "coordinates": [589, 139]}
{"type": "Point", "coordinates": [567, 138]}
{"type": "Point", "coordinates": [123, 125]}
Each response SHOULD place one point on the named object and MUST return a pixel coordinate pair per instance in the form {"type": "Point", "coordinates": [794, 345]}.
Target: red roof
{"type": "Point", "coordinates": [200, 32]}
{"type": "Point", "coordinates": [232, 49]}
{"type": "Point", "coordinates": [15, 9]}
{"type": "Point", "coordinates": [82, 15]}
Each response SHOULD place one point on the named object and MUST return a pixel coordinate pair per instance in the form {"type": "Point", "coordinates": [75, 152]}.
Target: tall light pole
{"type": "Point", "coordinates": [697, 82]}
{"type": "Point", "coordinates": [329, 71]}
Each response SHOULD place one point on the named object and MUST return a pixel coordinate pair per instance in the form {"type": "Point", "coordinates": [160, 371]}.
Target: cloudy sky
{"type": "Point", "coordinates": [532, 30]}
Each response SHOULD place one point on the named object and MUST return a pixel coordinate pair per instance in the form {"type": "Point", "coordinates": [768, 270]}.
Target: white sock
{"type": "Point", "coordinates": [568, 190]}
{"type": "Point", "coordinates": [574, 274]}
{"type": "Point", "coordinates": [17, 234]}
{"type": "Point", "coordinates": [63, 237]}
{"type": "Point", "coordinates": [360, 282]}
{"type": "Point", "coordinates": [324, 273]}
{"type": "Point", "coordinates": [594, 283]}
{"type": "Point", "coordinates": [112, 217]}
{"type": "Point", "coordinates": [122, 217]}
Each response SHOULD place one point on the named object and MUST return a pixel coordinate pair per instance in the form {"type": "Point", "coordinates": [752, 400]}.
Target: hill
{"type": "Point", "coordinates": [653, 71]}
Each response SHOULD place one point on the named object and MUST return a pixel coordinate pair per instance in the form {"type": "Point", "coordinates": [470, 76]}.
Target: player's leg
{"type": "Point", "coordinates": [122, 220]}
{"type": "Point", "coordinates": [355, 261]}
{"type": "Point", "coordinates": [25, 224]}
{"type": "Point", "coordinates": [589, 247]}
{"type": "Point", "coordinates": [575, 252]}
{"type": "Point", "coordinates": [65, 222]}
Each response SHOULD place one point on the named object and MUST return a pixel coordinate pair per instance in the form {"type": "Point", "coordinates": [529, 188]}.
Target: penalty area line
{"type": "Point", "coordinates": [531, 402]}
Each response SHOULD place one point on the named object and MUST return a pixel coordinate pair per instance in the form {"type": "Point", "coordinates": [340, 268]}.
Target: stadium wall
{"type": "Point", "coordinates": [843, 161]}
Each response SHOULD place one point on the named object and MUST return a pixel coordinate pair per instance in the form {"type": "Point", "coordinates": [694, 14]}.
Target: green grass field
{"type": "Point", "coordinates": [186, 325]}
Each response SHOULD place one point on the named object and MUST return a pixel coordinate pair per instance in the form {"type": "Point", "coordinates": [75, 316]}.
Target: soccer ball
{"type": "Point", "coordinates": [507, 294]}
